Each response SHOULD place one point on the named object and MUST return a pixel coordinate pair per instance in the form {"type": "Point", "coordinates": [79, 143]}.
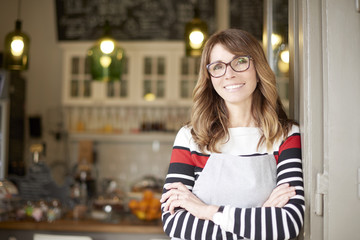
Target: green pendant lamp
{"type": "Point", "coordinates": [16, 51]}
{"type": "Point", "coordinates": [196, 34]}
{"type": "Point", "coordinates": [106, 58]}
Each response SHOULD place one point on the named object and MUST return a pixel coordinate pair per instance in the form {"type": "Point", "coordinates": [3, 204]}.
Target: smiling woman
{"type": "Point", "coordinates": [236, 169]}
{"type": "Point", "coordinates": [235, 87]}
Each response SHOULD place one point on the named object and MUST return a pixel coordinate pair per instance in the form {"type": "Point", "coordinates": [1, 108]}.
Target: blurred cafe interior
{"type": "Point", "coordinates": [92, 94]}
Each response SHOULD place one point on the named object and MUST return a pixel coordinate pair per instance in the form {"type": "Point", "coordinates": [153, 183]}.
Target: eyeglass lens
{"type": "Point", "coordinates": [239, 64]}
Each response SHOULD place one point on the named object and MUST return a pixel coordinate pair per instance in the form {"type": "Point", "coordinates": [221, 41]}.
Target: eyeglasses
{"type": "Point", "coordinates": [238, 64]}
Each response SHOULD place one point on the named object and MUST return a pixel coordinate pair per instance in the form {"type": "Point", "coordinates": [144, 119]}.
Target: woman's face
{"type": "Point", "coordinates": [236, 88]}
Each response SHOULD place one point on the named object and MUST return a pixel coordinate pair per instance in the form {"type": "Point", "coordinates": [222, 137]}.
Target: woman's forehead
{"type": "Point", "coordinates": [221, 53]}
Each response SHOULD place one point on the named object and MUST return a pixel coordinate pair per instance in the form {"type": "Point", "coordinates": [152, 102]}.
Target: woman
{"type": "Point", "coordinates": [235, 169]}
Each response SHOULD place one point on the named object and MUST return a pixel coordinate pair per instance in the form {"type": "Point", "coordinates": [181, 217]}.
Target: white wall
{"type": "Point", "coordinates": [342, 98]}
{"type": "Point", "coordinates": [44, 74]}
{"type": "Point", "coordinates": [43, 78]}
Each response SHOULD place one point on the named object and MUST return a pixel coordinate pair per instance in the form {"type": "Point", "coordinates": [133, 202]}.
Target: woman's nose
{"type": "Point", "coordinates": [229, 72]}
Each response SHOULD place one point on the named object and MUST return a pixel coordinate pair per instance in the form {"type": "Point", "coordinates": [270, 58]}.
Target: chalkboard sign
{"type": "Point", "coordinates": [248, 16]}
{"type": "Point", "coordinates": [129, 19]}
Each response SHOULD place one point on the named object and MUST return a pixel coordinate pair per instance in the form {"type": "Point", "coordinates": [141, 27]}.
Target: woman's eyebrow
{"type": "Point", "coordinates": [235, 56]}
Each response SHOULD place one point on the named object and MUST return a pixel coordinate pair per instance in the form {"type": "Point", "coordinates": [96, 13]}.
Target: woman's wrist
{"type": "Point", "coordinates": [210, 211]}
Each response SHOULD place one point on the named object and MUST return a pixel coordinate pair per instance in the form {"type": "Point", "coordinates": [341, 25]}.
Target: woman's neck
{"type": "Point", "coordinates": [241, 116]}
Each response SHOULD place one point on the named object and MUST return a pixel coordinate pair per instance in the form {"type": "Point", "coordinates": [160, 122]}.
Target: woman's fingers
{"type": "Point", "coordinates": [171, 198]}
{"type": "Point", "coordinates": [280, 189]}
{"type": "Point", "coordinates": [178, 195]}
{"type": "Point", "coordinates": [174, 204]}
{"type": "Point", "coordinates": [282, 200]}
{"type": "Point", "coordinates": [280, 196]}
{"type": "Point", "coordinates": [173, 188]}
{"type": "Point", "coordinates": [166, 195]}
{"type": "Point", "coordinates": [177, 185]}
{"type": "Point", "coordinates": [170, 202]}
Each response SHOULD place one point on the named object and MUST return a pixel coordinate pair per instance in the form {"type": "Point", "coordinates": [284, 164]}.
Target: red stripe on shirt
{"type": "Point", "coordinates": [293, 141]}
{"type": "Point", "coordinates": [200, 160]}
{"type": "Point", "coordinates": [276, 155]}
{"type": "Point", "coordinates": [180, 155]}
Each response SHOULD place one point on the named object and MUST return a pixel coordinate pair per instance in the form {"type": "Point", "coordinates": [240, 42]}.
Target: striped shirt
{"type": "Point", "coordinates": [187, 163]}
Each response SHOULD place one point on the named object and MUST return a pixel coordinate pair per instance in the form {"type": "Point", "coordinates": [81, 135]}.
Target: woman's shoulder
{"type": "Point", "coordinates": [294, 129]}
{"type": "Point", "coordinates": [184, 131]}
{"type": "Point", "coordinates": [293, 134]}
{"type": "Point", "coordinates": [183, 136]}
{"type": "Point", "coordinates": [184, 139]}
{"type": "Point", "coordinates": [293, 140]}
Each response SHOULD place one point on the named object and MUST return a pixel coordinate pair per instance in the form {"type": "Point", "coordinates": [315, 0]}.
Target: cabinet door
{"type": "Point", "coordinates": [189, 71]}
{"type": "Point", "coordinates": [78, 86]}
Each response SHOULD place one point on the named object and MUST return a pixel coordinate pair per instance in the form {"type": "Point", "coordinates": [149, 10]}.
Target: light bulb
{"type": "Point", "coordinates": [107, 46]}
{"type": "Point", "coordinates": [149, 97]}
{"type": "Point", "coordinates": [105, 61]}
{"type": "Point", "coordinates": [275, 40]}
{"type": "Point", "coordinates": [284, 55]}
{"type": "Point", "coordinates": [17, 46]}
{"type": "Point", "coordinates": [196, 39]}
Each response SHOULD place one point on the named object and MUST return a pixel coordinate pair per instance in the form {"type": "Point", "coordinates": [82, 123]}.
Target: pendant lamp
{"type": "Point", "coordinates": [106, 58]}
{"type": "Point", "coordinates": [16, 51]}
{"type": "Point", "coordinates": [196, 34]}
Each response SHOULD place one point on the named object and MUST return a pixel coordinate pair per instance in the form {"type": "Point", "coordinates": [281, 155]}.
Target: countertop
{"type": "Point", "coordinates": [86, 225]}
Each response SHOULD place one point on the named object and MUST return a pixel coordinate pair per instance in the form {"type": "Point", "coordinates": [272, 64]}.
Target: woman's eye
{"type": "Point", "coordinates": [241, 60]}
{"type": "Point", "coordinates": [218, 66]}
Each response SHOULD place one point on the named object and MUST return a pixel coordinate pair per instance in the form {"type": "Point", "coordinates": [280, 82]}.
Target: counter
{"type": "Point", "coordinates": [97, 230]}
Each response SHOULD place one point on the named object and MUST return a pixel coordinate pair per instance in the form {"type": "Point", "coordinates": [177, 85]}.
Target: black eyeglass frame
{"type": "Point", "coordinates": [229, 64]}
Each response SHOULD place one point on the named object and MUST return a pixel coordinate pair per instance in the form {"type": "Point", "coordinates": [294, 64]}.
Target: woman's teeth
{"type": "Point", "coordinates": [234, 86]}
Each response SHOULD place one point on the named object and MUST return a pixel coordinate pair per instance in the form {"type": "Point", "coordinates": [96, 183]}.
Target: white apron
{"type": "Point", "coordinates": [237, 181]}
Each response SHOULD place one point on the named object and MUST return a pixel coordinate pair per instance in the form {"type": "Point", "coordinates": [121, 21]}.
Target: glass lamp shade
{"type": "Point", "coordinates": [16, 51]}
{"type": "Point", "coordinates": [196, 34]}
{"type": "Point", "coordinates": [106, 60]}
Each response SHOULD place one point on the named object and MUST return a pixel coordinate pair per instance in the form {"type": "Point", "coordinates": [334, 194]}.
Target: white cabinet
{"type": "Point", "coordinates": [156, 87]}
{"type": "Point", "coordinates": [156, 73]}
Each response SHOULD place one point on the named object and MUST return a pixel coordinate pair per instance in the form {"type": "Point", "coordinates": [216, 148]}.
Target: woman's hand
{"type": "Point", "coordinates": [178, 195]}
{"type": "Point", "coordinates": [280, 196]}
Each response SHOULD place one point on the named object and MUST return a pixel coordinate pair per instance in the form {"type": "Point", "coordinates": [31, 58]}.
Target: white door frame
{"type": "Point", "coordinates": [306, 68]}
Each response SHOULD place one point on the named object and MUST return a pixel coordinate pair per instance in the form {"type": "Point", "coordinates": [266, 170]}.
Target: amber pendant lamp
{"type": "Point", "coordinates": [196, 34]}
{"type": "Point", "coordinates": [16, 51]}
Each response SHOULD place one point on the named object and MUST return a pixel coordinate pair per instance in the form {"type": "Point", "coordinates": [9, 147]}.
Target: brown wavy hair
{"type": "Point", "coordinates": [210, 116]}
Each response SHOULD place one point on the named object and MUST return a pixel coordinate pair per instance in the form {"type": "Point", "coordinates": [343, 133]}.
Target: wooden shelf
{"type": "Point", "coordinates": [143, 137]}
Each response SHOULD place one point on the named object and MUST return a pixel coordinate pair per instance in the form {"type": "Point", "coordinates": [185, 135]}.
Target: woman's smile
{"type": "Point", "coordinates": [234, 87]}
